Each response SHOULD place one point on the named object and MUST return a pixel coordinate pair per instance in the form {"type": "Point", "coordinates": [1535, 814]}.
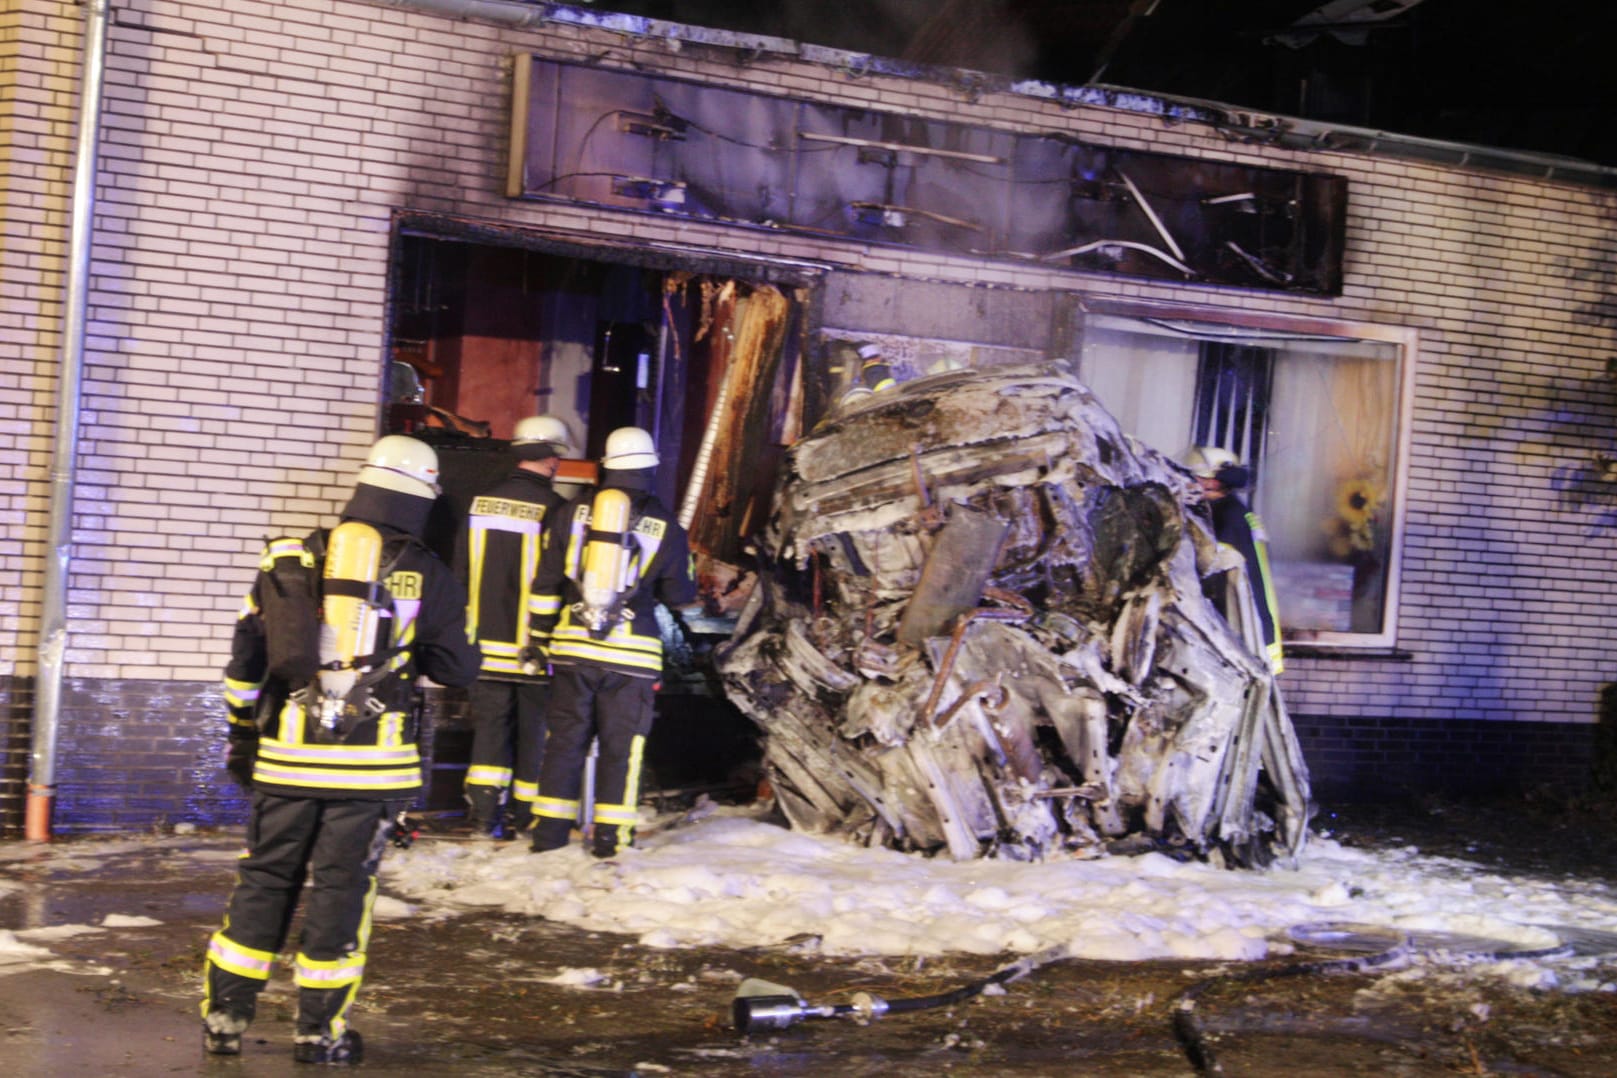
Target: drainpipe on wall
{"type": "Point", "coordinates": [59, 538]}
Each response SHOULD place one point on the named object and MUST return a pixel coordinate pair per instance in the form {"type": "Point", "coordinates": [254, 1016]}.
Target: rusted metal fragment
{"type": "Point", "coordinates": [980, 629]}
{"type": "Point", "coordinates": [955, 573]}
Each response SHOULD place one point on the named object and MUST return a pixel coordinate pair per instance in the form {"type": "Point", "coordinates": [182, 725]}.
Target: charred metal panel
{"type": "Point", "coordinates": [998, 317]}
{"type": "Point", "coordinates": [660, 145]}
{"type": "Point", "coordinates": [980, 628]}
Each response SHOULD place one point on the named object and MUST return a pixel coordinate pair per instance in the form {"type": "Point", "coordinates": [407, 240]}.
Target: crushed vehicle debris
{"type": "Point", "coordinates": [980, 628]}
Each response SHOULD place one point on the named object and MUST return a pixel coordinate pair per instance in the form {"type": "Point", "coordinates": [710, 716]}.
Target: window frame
{"type": "Point", "coordinates": [1405, 339]}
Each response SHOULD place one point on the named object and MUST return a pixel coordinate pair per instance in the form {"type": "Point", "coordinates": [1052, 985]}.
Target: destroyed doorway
{"type": "Point", "coordinates": [488, 326]}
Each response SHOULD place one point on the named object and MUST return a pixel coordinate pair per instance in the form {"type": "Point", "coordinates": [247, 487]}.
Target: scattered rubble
{"type": "Point", "coordinates": [980, 627]}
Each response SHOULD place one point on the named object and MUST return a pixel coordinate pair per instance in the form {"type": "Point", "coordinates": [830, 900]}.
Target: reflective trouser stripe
{"type": "Point", "coordinates": [311, 973]}
{"type": "Point", "coordinates": [338, 843]}
{"type": "Point", "coordinates": [623, 815]}
{"type": "Point", "coordinates": [341, 975]}
{"type": "Point", "coordinates": [524, 791]}
{"type": "Point", "coordinates": [626, 813]}
{"type": "Point", "coordinates": [556, 808]}
{"type": "Point", "coordinates": [242, 961]}
{"type": "Point", "coordinates": [615, 709]}
{"type": "Point", "coordinates": [483, 775]}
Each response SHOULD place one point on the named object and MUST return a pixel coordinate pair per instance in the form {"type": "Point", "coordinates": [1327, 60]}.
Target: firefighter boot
{"type": "Point", "coordinates": [483, 810]}
{"type": "Point", "coordinates": [550, 834]}
{"type": "Point", "coordinates": [518, 818]}
{"type": "Point", "coordinates": [346, 1048]}
{"type": "Point", "coordinates": [606, 841]}
{"type": "Point", "coordinates": [221, 1032]}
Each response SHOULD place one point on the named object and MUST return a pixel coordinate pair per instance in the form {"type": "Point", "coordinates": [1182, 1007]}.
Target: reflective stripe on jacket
{"type": "Point", "coordinates": [499, 555]}
{"type": "Point", "coordinates": [659, 571]}
{"type": "Point", "coordinates": [378, 757]}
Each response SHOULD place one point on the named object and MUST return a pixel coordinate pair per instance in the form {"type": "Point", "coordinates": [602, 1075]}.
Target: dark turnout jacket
{"type": "Point", "coordinates": [1237, 526]}
{"type": "Point", "coordinates": [498, 558]}
{"type": "Point", "coordinates": [660, 571]}
{"type": "Point", "coordinates": [378, 758]}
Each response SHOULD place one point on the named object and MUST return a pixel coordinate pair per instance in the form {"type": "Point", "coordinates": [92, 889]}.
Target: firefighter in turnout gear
{"type": "Point", "coordinates": [498, 558]}
{"type": "Point", "coordinates": [610, 556]}
{"type": "Point", "coordinates": [320, 693]}
{"type": "Point", "coordinates": [1221, 474]}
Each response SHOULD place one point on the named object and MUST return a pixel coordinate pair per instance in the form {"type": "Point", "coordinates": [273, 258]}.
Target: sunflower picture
{"type": "Point", "coordinates": [1352, 530]}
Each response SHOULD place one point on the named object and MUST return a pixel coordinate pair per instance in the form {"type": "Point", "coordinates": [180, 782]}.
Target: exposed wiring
{"type": "Point", "coordinates": [1098, 244]}
{"type": "Point", "coordinates": [1151, 215]}
{"type": "Point", "coordinates": [1258, 265]}
{"type": "Point", "coordinates": [928, 214]}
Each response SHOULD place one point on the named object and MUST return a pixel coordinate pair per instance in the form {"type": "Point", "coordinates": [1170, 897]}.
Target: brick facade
{"type": "Point", "coordinates": [253, 157]}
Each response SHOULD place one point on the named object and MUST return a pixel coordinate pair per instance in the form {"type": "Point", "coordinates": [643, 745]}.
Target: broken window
{"type": "Point", "coordinates": [647, 143]}
{"type": "Point", "coordinates": [1315, 410]}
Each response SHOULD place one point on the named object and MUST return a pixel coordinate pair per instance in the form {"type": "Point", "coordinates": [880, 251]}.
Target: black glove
{"type": "Point", "coordinates": [239, 757]}
{"type": "Point", "coordinates": [534, 660]}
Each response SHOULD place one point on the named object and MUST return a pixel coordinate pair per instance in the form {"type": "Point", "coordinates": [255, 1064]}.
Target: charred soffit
{"type": "Point", "coordinates": [664, 146]}
{"type": "Point", "coordinates": [788, 272]}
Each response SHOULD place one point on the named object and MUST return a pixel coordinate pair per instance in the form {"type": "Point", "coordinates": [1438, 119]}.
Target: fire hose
{"type": "Point", "coordinates": [760, 1005]}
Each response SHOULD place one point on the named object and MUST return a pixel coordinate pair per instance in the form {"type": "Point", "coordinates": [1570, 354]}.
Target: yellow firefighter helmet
{"type": "Point", "coordinates": [1206, 461]}
{"type": "Point", "coordinates": [407, 465]}
{"type": "Point", "coordinates": [628, 449]}
{"type": "Point", "coordinates": [544, 430]}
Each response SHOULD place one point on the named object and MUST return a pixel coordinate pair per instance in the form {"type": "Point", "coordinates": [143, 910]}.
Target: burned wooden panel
{"type": "Point", "coordinates": [660, 145]}
{"type": "Point", "coordinates": [1084, 695]}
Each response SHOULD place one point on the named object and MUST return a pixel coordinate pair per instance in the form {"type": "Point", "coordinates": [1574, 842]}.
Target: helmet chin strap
{"type": "Point", "coordinates": [434, 487]}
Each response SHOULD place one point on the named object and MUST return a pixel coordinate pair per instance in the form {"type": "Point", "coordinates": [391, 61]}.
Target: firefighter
{"type": "Point", "coordinates": [875, 375]}
{"type": "Point", "coordinates": [1221, 474]}
{"type": "Point", "coordinates": [498, 557]}
{"type": "Point", "coordinates": [610, 556]}
{"type": "Point", "coordinates": [326, 738]}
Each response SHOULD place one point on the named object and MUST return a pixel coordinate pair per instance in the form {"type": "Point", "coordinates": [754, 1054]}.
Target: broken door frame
{"type": "Point", "coordinates": [802, 276]}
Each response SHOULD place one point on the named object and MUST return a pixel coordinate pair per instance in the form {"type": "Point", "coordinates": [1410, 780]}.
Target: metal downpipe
{"type": "Point", "coordinates": [59, 538]}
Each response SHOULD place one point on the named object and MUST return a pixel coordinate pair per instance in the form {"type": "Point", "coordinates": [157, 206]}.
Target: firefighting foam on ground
{"type": "Point", "coordinates": [980, 627]}
{"type": "Point", "coordinates": [491, 961]}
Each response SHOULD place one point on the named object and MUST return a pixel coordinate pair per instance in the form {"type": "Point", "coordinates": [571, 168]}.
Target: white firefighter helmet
{"type": "Point", "coordinates": [399, 462]}
{"type": "Point", "coordinates": [544, 430]}
{"type": "Point", "coordinates": [628, 449]}
{"type": "Point", "coordinates": [1206, 461]}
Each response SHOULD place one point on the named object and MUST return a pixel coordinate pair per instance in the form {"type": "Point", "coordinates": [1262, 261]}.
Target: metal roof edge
{"type": "Point", "coordinates": [1250, 125]}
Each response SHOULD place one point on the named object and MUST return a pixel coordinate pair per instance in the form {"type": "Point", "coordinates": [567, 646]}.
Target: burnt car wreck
{"type": "Point", "coordinates": [979, 627]}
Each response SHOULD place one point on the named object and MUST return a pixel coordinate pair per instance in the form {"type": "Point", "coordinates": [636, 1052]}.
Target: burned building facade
{"type": "Point", "coordinates": [276, 230]}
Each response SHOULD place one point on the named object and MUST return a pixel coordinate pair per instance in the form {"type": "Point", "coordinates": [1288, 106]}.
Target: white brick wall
{"type": "Point", "coordinates": [253, 154]}
{"type": "Point", "coordinates": [37, 103]}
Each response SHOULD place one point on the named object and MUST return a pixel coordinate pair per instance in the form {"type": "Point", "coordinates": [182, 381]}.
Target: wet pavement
{"type": "Point", "coordinates": [474, 995]}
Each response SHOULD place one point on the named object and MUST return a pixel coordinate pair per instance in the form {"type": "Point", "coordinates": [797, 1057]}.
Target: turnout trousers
{"type": "Point", "coordinates": [334, 845]}
{"type": "Point", "coordinates": [615, 709]}
{"type": "Point", "coordinates": [508, 743]}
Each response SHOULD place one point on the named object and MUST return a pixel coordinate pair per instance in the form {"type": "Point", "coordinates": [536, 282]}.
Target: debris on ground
{"type": "Point", "coordinates": [980, 628]}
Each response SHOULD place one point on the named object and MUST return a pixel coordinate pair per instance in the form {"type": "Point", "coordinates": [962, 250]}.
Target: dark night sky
{"type": "Point", "coordinates": [1535, 77]}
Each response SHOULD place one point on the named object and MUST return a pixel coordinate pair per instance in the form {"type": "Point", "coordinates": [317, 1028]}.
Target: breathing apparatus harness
{"type": "Point", "coordinates": [605, 577]}
{"type": "Point", "coordinates": [325, 608]}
